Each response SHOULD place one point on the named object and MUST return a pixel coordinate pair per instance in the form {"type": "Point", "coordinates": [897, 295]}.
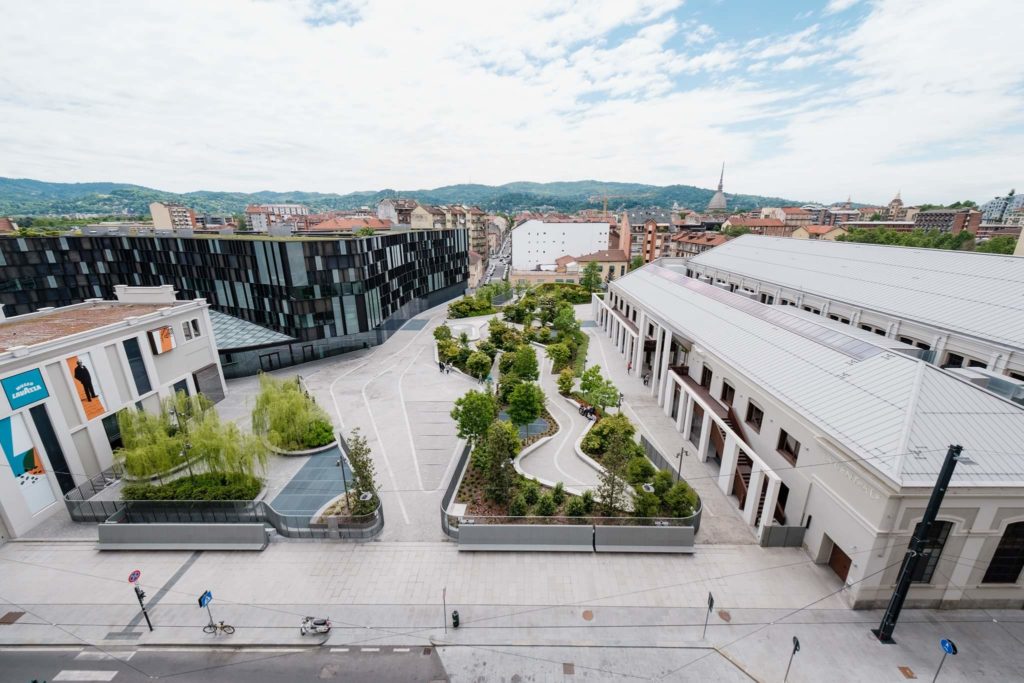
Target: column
{"type": "Point", "coordinates": [770, 499]}
{"type": "Point", "coordinates": [824, 309]}
{"type": "Point", "coordinates": [663, 377]}
{"type": "Point", "coordinates": [705, 436]}
{"type": "Point", "coordinates": [654, 363]}
{"type": "Point", "coordinates": [686, 414]}
{"type": "Point", "coordinates": [638, 354]}
{"type": "Point", "coordinates": [939, 346]}
{"type": "Point", "coordinates": [729, 458]}
{"type": "Point", "coordinates": [753, 494]}
{"type": "Point", "coordinates": [670, 390]}
{"type": "Point", "coordinates": [998, 362]}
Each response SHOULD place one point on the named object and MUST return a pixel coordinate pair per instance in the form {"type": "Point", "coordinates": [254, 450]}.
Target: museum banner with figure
{"type": "Point", "coordinates": [25, 463]}
{"type": "Point", "coordinates": [86, 384]}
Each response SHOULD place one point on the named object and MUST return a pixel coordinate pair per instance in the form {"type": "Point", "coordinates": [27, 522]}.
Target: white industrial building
{"type": "Point", "coordinates": [831, 437]}
{"type": "Point", "coordinates": [963, 308]}
{"type": "Point", "coordinates": [66, 372]}
{"type": "Point", "coordinates": [537, 244]}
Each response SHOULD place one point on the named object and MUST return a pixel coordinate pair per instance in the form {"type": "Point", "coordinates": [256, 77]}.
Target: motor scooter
{"type": "Point", "coordinates": [315, 625]}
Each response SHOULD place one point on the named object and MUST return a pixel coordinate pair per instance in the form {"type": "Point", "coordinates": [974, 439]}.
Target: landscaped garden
{"type": "Point", "coordinates": [475, 362]}
{"type": "Point", "coordinates": [481, 302]}
{"type": "Point", "coordinates": [361, 495]}
{"type": "Point", "coordinates": [288, 418]}
{"type": "Point", "coordinates": [550, 306]}
{"type": "Point", "coordinates": [185, 452]}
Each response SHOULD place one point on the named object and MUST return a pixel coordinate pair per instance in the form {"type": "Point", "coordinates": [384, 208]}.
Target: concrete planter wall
{"type": "Point", "coordinates": [309, 451]}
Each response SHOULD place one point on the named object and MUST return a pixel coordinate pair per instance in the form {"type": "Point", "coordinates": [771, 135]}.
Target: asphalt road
{"type": "Point", "coordinates": [251, 665]}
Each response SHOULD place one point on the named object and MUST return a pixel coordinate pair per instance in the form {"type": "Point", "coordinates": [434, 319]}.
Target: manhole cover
{"type": "Point", "coordinates": [568, 668]}
{"type": "Point", "coordinates": [724, 616]}
{"type": "Point", "coordinates": [588, 615]}
{"type": "Point", "coordinates": [907, 672]}
{"type": "Point", "coordinates": [11, 617]}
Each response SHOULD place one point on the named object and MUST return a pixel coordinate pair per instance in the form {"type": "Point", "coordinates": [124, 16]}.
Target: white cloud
{"type": "Point", "coordinates": [836, 6]}
{"type": "Point", "coordinates": [328, 96]}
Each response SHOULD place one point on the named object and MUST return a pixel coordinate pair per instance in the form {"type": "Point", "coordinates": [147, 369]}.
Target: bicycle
{"type": "Point", "coordinates": [215, 628]}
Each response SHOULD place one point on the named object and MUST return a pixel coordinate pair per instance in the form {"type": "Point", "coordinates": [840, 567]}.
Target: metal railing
{"type": "Point", "coordinates": [82, 509]}
{"type": "Point", "coordinates": [662, 463]}
{"type": "Point", "coordinates": [450, 530]}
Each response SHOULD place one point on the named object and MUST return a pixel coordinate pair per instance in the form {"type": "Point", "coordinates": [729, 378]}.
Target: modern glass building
{"type": "Point", "coordinates": [322, 296]}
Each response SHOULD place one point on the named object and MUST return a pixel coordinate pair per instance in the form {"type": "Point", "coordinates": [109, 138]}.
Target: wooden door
{"type": "Point", "coordinates": [839, 561]}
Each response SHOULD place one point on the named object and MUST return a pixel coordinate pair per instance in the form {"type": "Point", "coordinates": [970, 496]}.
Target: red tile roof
{"type": "Point", "coordinates": [794, 210]}
{"type": "Point", "coordinates": [701, 237]}
{"type": "Point", "coordinates": [340, 224]}
{"type": "Point", "coordinates": [605, 255]}
{"type": "Point", "coordinates": [756, 222]}
{"type": "Point", "coordinates": [821, 229]}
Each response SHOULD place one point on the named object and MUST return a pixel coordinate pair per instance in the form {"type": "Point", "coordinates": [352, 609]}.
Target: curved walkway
{"type": "Point", "coordinates": [556, 460]}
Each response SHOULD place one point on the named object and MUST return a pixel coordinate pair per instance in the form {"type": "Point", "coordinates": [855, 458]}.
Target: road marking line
{"type": "Point", "coordinates": [405, 415]}
{"type": "Point", "coordinates": [339, 649]}
{"type": "Point", "coordinates": [40, 649]}
{"type": "Point", "coordinates": [380, 441]}
{"type": "Point", "coordinates": [90, 655]}
{"type": "Point", "coordinates": [401, 649]}
{"type": "Point", "coordinates": [78, 675]}
{"type": "Point", "coordinates": [568, 433]}
{"type": "Point", "coordinates": [369, 649]}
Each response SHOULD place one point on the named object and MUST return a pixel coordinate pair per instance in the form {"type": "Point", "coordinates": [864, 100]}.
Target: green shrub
{"type": "Point", "coordinates": [558, 495]}
{"type": "Point", "coordinates": [506, 385]}
{"type": "Point", "coordinates": [566, 380]}
{"type": "Point", "coordinates": [681, 500]}
{"type": "Point", "coordinates": [478, 364]}
{"type": "Point", "coordinates": [546, 505]}
{"type": "Point", "coordinates": [517, 507]}
{"type": "Point", "coordinates": [560, 356]}
{"type": "Point", "coordinates": [205, 486]}
{"type": "Point", "coordinates": [592, 443]}
{"type": "Point", "coordinates": [488, 348]}
{"type": "Point", "coordinates": [480, 457]}
{"type": "Point", "coordinates": [506, 363]}
{"type": "Point", "coordinates": [663, 481]}
{"type": "Point", "coordinates": [575, 507]}
{"type": "Point", "coordinates": [588, 501]}
{"type": "Point", "coordinates": [320, 432]}
{"type": "Point", "coordinates": [646, 504]}
{"type": "Point", "coordinates": [639, 470]}
{"type": "Point", "coordinates": [442, 332]}
{"type": "Point", "coordinates": [603, 430]}
{"type": "Point", "coordinates": [531, 492]}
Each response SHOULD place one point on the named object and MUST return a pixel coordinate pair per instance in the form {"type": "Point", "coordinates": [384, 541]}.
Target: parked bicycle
{"type": "Point", "coordinates": [219, 627]}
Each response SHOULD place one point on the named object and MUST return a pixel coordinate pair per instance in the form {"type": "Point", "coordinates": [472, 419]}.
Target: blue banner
{"type": "Point", "coordinates": [25, 388]}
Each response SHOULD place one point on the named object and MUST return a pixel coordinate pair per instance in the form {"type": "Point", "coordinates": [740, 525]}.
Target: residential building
{"type": "Point", "coordinates": [792, 216]}
{"type": "Point", "coordinates": [829, 437]}
{"type": "Point", "coordinates": [425, 217]}
{"type": "Point", "coordinates": [611, 263]}
{"type": "Point", "coordinates": [949, 220]}
{"type": "Point", "coordinates": [760, 226]}
{"type": "Point", "coordinates": [896, 226]}
{"type": "Point", "coordinates": [476, 269]}
{"type": "Point", "coordinates": [953, 304]}
{"type": "Point", "coordinates": [686, 245]}
{"type": "Point", "coordinates": [66, 372]}
{"type": "Point", "coordinates": [207, 222]}
{"type": "Point", "coordinates": [895, 211]}
{"type": "Point", "coordinates": [819, 232]}
{"type": "Point", "coordinates": [345, 225]}
{"type": "Point", "coordinates": [327, 295]}
{"type": "Point", "coordinates": [396, 210]}
{"type": "Point", "coordinates": [167, 216]}
{"type": "Point", "coordinates": [989, 230]}
{"type": "Point", "coordinates": [7, 226]}
{"type": "Point", "coordinates": [838, 215]}
{"type": "Point", "coordinates": [263, 217]}
{"type": "Point", "coordinates": [472, 219]}
{"type": "Point", "coordinates": [718, 201]}
{"type": "Point", "coordinates": [536, 244]}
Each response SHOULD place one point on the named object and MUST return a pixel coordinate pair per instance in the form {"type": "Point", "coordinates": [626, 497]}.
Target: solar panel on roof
{"type": "Point", "coordinates": [833, 339]}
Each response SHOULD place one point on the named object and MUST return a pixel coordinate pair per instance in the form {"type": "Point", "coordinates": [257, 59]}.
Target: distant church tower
{"type": "Point", "coordinates": [717, 202]}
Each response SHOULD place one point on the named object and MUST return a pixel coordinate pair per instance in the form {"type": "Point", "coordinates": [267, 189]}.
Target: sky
{"type": "Point", "coordinates": [805, 100]}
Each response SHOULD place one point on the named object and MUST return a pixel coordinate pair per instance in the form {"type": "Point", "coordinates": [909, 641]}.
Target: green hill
{"type": "Point", "coordinates": [25, 197]}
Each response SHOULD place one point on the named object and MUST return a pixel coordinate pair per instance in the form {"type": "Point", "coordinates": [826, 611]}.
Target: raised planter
{"type": "Point", "coordinates": [308, 451]}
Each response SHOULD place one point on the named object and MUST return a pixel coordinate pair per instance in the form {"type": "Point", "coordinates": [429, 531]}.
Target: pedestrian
{"type": "Point", "coordinates": [440, 366]}
{"type": "Point", "coordinates": [448, 369]}
{"type": "Point", "coordinates": [629, 368]}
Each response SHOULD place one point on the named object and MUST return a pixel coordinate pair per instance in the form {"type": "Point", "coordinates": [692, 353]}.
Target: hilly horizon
{"type": "Point", "coordinates": [29, 197]}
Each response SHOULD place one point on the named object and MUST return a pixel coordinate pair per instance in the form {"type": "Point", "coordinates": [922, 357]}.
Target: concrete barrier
{"type": "Point", "coordinates": [527, 537]}
{"type": "Point", "coordinates": [117, 536]}
{"type": "Point", "coordinates": [643, 539]}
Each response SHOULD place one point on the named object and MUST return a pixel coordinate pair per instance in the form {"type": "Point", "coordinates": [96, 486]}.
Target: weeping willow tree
{"type": "Point", "coordinates": [186, 432]}
{"type": "Point", "coordinates": [288, 418]}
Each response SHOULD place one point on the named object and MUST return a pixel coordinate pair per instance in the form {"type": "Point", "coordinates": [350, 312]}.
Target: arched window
{"type": "Point", "coordinates": [931, 551]}
{"type": "Point", "coordinates": [1008, 559]}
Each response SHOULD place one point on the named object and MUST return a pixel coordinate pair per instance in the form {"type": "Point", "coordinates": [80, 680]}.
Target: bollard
{"type": "Point", "coordinates": [455, 618]}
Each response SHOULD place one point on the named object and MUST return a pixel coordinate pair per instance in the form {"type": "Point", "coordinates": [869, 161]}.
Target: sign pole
{"type": "Point", "coordinates": [444, 608]}
{"type": "Point", "coordinates": [140, 594]}
{"type": "Point", "coordinates": [948, 648]}
{"type": "Point", "coordinates": [796, 648]}
{"type": "Point", "coordinates": [707, 615]}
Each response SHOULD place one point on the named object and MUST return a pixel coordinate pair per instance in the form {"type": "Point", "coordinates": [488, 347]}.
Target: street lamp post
{"type": "Point", "coordinates": [679, 470]}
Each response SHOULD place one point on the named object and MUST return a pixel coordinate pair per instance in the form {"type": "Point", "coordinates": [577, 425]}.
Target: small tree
{"type": "Point", "coordinates": [565, 321]}
{"type": "Point", "coordinates": [565, 381]}
{"type": "Point", "coordinates": [365, 232]}
{"type": "Point", "coordinates": [502, 444]}
{"type": "Point", "coordinates": [559, 355]}
{"type": "Point", "coordinates": [442, 332]}
{"type": "Point", "coordinates": [474, 413]}
{"type": "Point", "coordinates": [597, 390]}
{"type": "Point", "coordinates": [448, 350]}
{"type": "Point", "coordinates": [591, 276]}
{"type": "Point", "coordinates": [636, 262]}
{"type": "Point", "coordinates": [525, 404]}
{"type": "Point", "coordinates": [364, 474]}
{"type": "Point", "coordinates": [611, 488]}
{"type": "Point", "coordinates": [478, 364]}
{"type": "Point", "coordinates": [525, 364]}
{"type": "Point", "coordinates": [546, 505]}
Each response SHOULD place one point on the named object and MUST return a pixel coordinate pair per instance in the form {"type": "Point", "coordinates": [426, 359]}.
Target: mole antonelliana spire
{"type": "Point", "coordinates": [717, 202]}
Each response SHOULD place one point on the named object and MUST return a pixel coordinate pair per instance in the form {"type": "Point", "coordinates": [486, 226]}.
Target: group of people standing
{"type": "Point", "coordinates": [445, 368]}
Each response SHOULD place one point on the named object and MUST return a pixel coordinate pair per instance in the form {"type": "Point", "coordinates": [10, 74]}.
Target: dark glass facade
{"type": "Point", "coordinates": [309, 288]}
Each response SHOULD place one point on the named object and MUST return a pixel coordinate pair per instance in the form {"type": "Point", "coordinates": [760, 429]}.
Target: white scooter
{"type": "Point", "coordinates": [314, 625]}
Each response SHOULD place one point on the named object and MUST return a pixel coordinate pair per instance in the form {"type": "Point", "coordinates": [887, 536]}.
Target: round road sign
{"type": "Point", "coordinates": [134, 576]}
{"type": "Point", "coordinates": [948, 646]}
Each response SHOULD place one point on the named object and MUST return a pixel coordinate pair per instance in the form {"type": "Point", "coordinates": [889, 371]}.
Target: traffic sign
{"type": "Point", "coordinates": [134, 576]}
{"type": "Point", "coordinates": [205, 599]}
{"type": "Point", "coordinates": [948, 646]}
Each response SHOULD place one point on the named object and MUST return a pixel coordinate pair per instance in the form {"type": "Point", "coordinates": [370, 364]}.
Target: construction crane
{"type": "Point", "coordinates": [605, 198]}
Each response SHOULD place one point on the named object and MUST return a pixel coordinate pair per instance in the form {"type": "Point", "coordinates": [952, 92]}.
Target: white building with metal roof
{"type": "Point", "coordinates": [966, 308]}
{"type": "Point", "coordinates": [831, 437]}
